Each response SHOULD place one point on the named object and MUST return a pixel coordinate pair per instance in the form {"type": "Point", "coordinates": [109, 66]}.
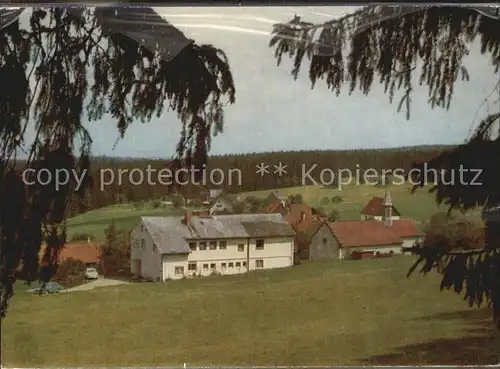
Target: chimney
{"type": "Point", "coordinates": [302, 216]}
{"type": "Point", "coordinates": [187, 218]}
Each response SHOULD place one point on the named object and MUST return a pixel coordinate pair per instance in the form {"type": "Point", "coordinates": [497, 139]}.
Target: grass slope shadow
{"type": "Point", "coordinates": [481, 344]}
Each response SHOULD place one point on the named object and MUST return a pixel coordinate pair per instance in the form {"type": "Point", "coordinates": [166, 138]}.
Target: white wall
{"type": "Point", "coordinates": [277, 253]}
{"type": "Point", "coordinates": [409, 242]}
{"type": "Point", "coordinates": [385, 249]}
{"type": "Point", "coordinates": [151, 266]}
{"type": "Point", "coordinates": [380, 218]}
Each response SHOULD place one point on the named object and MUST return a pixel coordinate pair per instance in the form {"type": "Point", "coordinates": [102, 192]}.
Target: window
{"type": "Point", "coordinates": [259, 245]}
{"type": "Point", "coordinates": [179, 270]}
{"type": "Point", "coordinates": [205, 266]}
{"type": "Point", "coordinates": [231, 265]}
{"type": "Point", "coordinates": [192, 246]}
{"type": "Point", "coordinates": [241, 247]}
{"type": "Point", "coordinates": [238, 264]}
{"type": "Point", "coordinates": [142, 228]}
{"type": "Point", "coordinates": [143, 243]}
{"type": "Point", "coordinates": [223, 265]}
{"type": "Point", "coordinates": [325, 240]}
{"type": "Point", "coordinates": [245, 264]}
{"type": "Point", "coordinates": [192, 266]}
{"type": "Point", "coordinates": [212, 266]}
{"type": "Point", "coordinates": [222, 245]}
{"type": "Point", "coordinates": [259, 263]}
{"type": "Point", "coordinates": [213, 245]}
{"type": "Point", "coordinates": [203, 245]}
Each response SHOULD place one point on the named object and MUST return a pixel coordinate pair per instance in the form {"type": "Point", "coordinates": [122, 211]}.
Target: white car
{"type": "Point", "coordinates": [91, 273]}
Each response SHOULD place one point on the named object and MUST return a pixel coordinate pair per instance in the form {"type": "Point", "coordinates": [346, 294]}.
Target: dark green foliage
{"type": "Point", "coordinates": [177, 201]}
{"type": "Point", "coordinates": [319, 211]}
{"type": "Point", "coordinates": [295, 199]}
{"type": "Point", "coordinates": [239, 207]}
{"type": "Point", "coordinates": [386, 51]}
{"type": "Point", "coordinates": [333, 216]}
{"type": "Point", "coordinates": [337, 199]}
{"type": "Point", "coordinates": [325, 201]}
{"type": "Point", "coordinates": [86, 69]}
{"type": "Point", "coordinates": [115, 252]}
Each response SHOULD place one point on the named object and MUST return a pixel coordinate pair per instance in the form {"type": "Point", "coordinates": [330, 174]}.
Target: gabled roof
{"type": "Point", "coordinates": [373, 233]}
{"type": "Point", "coordinates": [273, 206]}
{"type": "Point", "coordinates": [172, 236]}
{"type": "Point", "coordinates": [360, 233]}
{"type": "Point", "coordinates": [85, 252]}
{"type": "Point", "coordinates": [376, 208]}
{"type": "Point", "coordinates": [272, 197]}
{"type": "Point", "coordinates": [405, 228]}
{"type": "Point", "coordinates": [295, 211]}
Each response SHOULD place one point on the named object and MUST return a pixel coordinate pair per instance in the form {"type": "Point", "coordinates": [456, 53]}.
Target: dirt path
{"type": "Point", "coordinates": [101, 282]}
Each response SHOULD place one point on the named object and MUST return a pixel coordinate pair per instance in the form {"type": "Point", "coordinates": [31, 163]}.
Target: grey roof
{"type": "Point", "coordinates": [214, 193]}
{"type": "Point", "coordinates": [171, 235]}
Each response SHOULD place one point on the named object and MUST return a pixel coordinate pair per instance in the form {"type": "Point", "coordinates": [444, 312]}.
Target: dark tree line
{"type": "Point", "coordinates": [385, 44]}
{"type": "Point", "coordinates": [69, 61]}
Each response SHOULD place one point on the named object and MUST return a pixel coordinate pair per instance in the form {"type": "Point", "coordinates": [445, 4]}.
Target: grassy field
{"type": "Point", "coordinates": [418, 206]}
{"type": "Point", "coordinates": [320, 313]}
{"type": "Point", "coordinates": [125, 216]}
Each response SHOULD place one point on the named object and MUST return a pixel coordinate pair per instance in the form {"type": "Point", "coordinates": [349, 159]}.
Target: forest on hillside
{"type": "Point", "coordinates": [113, 191]}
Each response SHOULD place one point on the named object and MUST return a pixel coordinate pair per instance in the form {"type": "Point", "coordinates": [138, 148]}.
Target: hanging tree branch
{"type": "Point", "coordinates": [383, 44]}
{"type": "Point", "coordinates": [74, 55]}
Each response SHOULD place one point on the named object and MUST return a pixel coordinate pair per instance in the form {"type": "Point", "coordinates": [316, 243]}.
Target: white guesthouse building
{"type": "Point", "coordinates": [175, 247]}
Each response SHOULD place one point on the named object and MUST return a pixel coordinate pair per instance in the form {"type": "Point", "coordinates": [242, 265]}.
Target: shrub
{"type": "Point", "coordinates": [177, 201]}
{"type": "Point", "coordinates": [325, 201]}
{"type": "Point", "coordinates": [337, 199]}
{"type": "Point", "coordinates": [70, 273]}
{"type": "Point", "coordinates": [115, 252]}
{"type": "Point", "coordinates": [319, 212]}
{"type": "Point", "coordinates": [295, 199]}
{"type": "Point", "coordinates": [333, 216]}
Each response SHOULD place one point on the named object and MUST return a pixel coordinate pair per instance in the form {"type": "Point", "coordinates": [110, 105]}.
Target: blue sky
{"type": "Point", "coordinates": [273, 112]}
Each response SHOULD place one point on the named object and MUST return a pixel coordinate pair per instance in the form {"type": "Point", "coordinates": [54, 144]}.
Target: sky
{"type": "Point", "coordinates": [273, 112]}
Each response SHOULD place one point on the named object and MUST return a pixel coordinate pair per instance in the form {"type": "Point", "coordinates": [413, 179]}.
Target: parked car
{"type": "Point", "coordinates": [91, 273]}
{"type": "Point", "coordinates": [51, 287]}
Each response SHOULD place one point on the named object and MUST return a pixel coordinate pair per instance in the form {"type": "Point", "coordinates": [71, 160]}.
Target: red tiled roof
{"type": "Point", "coordinates": [294, 214]}
{"type": "Point", "coordinates": [364, 233]}
{"type": "Point", "coordinates": [375, 208]}
{"type": "Point", "coordinates": [405, 228]}
{"type": "Point", "coordinates": [85, 252]}
{"type": "Point", "coordinates": [273, 206]}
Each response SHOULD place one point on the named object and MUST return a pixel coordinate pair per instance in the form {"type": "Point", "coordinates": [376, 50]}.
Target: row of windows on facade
{"type": "Point", "coordinates": [192, 267]}
{"type": "Point", "coordinates": [212, 245]}
{"type": "Point", "coordinates": [202, 245]}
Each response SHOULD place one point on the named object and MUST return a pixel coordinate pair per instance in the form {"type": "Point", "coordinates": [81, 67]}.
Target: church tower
{"type": "Point", "coordinates": [387, 204]}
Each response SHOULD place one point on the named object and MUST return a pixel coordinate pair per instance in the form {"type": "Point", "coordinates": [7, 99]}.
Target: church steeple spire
{"type": "Point", "coordinates": [387, 204]}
